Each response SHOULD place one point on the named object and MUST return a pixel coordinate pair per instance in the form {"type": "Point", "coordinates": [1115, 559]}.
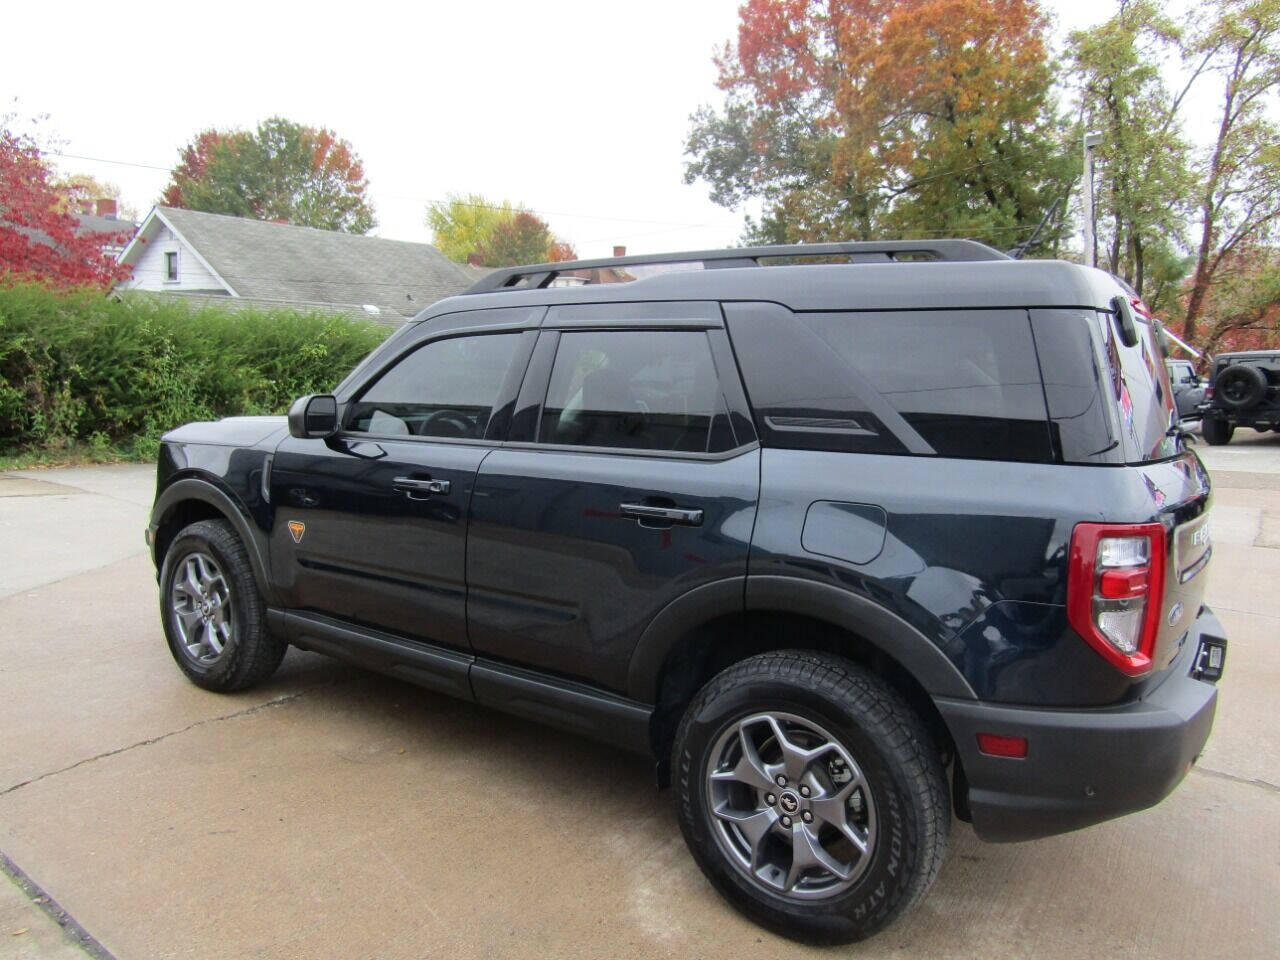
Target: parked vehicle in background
{"type": "Point", "coordinates": [1188, 388]}
{"type": "Point", "coordinates": [1243, 391]}
{"type": "Point", "coordinates": [818, 537]}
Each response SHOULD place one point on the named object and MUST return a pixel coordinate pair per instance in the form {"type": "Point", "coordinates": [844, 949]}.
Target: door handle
{"type": "Point", "coordinates": [643, 512]}
{"type": "Point", "coordinates": [410, 485]}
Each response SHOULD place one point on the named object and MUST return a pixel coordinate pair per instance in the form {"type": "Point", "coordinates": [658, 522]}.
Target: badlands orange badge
{"type": "Point", "coordinates": [296, 529]}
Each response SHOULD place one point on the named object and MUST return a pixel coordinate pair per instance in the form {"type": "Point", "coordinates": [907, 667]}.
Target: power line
{"type": "Point", "coordinates": [432, 200]}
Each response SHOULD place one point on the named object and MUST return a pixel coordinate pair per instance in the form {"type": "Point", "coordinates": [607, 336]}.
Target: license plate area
{"type": "Point", "coordinates": [1211, 658]}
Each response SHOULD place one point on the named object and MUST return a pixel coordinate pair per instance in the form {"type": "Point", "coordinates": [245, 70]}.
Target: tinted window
{"type": "Point", "coordinates": [638, 389]}
{"type": "Point", "coordinates": [445, 388]}
{"type": "Point", "coordinates": [1142, 392]}
{"type": "Point", "coordinates": [1076, 386]}
{"type": "Point", "coordinates": [952, 383]}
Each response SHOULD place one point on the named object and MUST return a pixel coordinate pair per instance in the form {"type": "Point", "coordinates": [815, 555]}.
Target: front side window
{"type": "Point", "coordinates": [446, 388]}
{"type": "Point", "coordinates": [635, 389]}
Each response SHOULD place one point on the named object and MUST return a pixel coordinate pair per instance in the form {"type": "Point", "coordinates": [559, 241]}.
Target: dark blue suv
{"type": "Point", "coordinates": [847, 537]}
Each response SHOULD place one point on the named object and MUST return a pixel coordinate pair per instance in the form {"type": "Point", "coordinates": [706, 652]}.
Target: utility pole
{"type": "Point", "coordinates": [1091, 140]}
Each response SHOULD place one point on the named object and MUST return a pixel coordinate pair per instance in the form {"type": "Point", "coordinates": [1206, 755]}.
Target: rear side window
{"type": "Point", "coordinates": [961, 383]}
{"type": "Point", "coordinates": [635, 389]}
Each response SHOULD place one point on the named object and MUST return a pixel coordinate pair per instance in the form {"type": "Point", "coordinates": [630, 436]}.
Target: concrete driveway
{"type": "Point", "coordinates": [336, 813]}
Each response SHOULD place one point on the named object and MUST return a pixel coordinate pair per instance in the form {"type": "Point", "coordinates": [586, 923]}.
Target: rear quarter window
{"type": "Point", "coordinates": [959, 383]}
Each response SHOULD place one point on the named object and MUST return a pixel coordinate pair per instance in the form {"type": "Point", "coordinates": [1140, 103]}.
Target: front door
{"type": "Point", "coordinates": [370, 526]}
{"type": "Point", "coordinates": [634, 489]}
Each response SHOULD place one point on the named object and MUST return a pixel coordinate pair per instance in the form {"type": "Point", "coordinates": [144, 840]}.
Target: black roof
{"type": "Point", "coordinates": [961, 275]}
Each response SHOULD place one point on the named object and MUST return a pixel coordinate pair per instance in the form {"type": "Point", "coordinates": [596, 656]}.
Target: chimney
{"type": "Point", "coordinates": [107, 208]}
{"type": "Point", "coordinates": [86, 207]}
{"type": "Point", "coordinates": [619, 251]}
{"type": "Point", "coordinates": [473, 259]}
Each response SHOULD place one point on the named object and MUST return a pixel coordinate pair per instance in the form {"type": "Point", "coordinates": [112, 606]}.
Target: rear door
{"type": "Point", "coordinates": [370, 525]}
{"type": "Point", "coordinates": [628, 481]}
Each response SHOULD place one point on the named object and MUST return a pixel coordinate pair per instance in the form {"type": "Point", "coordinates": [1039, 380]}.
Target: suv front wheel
{"type": "Point", "coordinates": [811, 795]}
{"type": "Point", "coordinates": [214, 617]}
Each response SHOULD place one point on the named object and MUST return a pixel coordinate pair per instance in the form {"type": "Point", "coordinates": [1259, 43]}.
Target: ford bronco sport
{"type": "Point", "coordinates": [846, 547]}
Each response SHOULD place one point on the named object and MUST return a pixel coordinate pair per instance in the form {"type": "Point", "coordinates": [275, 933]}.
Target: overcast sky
{"type": "Point", "coordinates": [578, 110]}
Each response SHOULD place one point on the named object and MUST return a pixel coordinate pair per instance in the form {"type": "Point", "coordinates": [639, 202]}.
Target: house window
{"type": "Point", "coordinates": [171, 266]}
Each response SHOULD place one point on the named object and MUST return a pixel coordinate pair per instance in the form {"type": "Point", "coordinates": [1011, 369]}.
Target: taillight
{"type": "Point", "coordinates": [1115, 585]}
{"type": "Point", "coordinates": [1208, 392]}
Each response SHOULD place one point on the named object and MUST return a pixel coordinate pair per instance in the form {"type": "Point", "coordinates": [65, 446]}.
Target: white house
{"type": "Point", "coordinates": [211, 257]}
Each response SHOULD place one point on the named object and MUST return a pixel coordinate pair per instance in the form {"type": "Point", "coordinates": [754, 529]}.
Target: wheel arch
{"type": "Point", "coordinates": [712, 627]}
{"type": "Point", "coordinates": [192, 499]}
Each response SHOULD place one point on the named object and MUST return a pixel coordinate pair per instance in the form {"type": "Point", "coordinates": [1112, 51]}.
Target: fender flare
{"type": "Point", "coordinates": [700, 605]}
{"type": "Point", "coordinates": [195, 488]}
{"type": "Point", "coordinates": [880, 627]}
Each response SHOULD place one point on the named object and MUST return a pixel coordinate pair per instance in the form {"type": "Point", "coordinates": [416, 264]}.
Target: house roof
{"type": "Point", "coordinates": [92, 223]}
{"type": "Point", "coordinates": [283, 262]}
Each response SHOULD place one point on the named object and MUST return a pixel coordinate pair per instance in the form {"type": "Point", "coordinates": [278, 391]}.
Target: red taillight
{"type": "Point", "coordinates": [1208, 392]}
{"type": "Point", "coordinates": [994, 745]}
{"type": "Point", "coordinates": [1115, 588]}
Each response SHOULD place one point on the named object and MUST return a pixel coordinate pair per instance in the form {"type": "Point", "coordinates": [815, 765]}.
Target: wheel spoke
{"type": "Point", "coordinates": [188, 585]}
{"type": "Point", "coordinates": [749, 769]}
{"type": "Point", "coordinates": [807, 853]}
{"type": "Point", "coordinates": [796, 760]}
{"type": "Point", "coordinates": [190, 621]}
{"type": "Point", "coordinates": [754, 824]}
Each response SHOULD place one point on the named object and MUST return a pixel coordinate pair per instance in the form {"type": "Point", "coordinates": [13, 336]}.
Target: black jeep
{"type": "Point", "coordinates": [1243, 391]}
{"type": "Point", "coordinates": [846, 547]}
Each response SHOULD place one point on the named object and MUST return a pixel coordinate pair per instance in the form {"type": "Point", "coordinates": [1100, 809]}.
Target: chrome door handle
{"type": "Point", "coordinates": [411, 486]}
{"type": "Point", "coordinates": [643, 511]}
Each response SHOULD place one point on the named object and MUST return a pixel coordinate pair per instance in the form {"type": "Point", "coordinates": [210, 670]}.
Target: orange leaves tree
{"type": "Point", "coordinates": [860, 118]}
{"type": "Point", "coordinates": [281, 171]}
{"type": "Point", "coordinates": [471, 228]}
{"type": "Point", "coordinates": [38, 239]}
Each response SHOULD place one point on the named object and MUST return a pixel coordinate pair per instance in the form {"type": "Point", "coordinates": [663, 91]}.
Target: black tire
{"type": "Point", "coordinates": [897, 759]}
{"type": "Point", "coordinates": [1216, 431]}
{"type": "Point", "coordinates": [250, 653]}
{"type": "Point", "coordinates": [1241, 387]}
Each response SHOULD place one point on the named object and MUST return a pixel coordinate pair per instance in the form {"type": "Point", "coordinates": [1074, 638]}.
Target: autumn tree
{"type": "Point", "coordinates": [1239, 200]}
{"type": "Point", "coordinates": [38, 238]}
{"type": "Point", "coordinates": [857, 118]}
{"type": "Point", "coordinates": [1145, 177]}
{"type": "Point", "coordinates": [1241, 310]}
{"type": "Point", "coordinates": [462, 224]}
{"type": "Point", "coordinates": [81, 189]}
{"type": "Point", "coordinates": [493, 234]}
{"type": "Point", "coordinates": [281, 171]}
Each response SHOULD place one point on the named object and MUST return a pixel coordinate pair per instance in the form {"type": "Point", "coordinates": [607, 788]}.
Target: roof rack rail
{"type": "Point", "coordinates": [538, 275]}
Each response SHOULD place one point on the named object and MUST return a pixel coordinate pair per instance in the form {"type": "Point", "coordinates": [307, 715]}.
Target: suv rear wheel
{"type": "Point", "coordinates": [1216, 431]}
{"type": "Point", "coordinates": [810, 795]}
{"type": "Point", "coordinates": [214, 617]}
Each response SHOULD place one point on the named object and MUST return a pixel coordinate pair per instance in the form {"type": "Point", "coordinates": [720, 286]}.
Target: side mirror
{"type": "Point", "coordinates": [313, 417]}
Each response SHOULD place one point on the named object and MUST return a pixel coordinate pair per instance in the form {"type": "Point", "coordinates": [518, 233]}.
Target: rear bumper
{"type": "Point", "coordinates": [1086, 766]}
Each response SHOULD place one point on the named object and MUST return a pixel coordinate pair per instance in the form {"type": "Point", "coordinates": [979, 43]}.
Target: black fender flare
{"type": "Point", "coordinates": [880, 627]}
{"type": "Point", "coordinates": [195, 488]}
{"type": "Point", "coordinates": [691, 609]}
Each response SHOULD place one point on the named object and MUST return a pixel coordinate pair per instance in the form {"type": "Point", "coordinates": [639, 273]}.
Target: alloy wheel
{"type": "Point", "coordinates": [200, 608]}
{"type": "Point", "coordinates": [790, 806]}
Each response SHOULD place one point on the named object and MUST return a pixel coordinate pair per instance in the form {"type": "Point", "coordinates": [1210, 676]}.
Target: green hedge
{"type": "Point", "coordinates": [79, 368]}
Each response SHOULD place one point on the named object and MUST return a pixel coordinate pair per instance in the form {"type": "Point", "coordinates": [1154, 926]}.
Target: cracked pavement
{"type": "Point", "coordinates": [338, 813]}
